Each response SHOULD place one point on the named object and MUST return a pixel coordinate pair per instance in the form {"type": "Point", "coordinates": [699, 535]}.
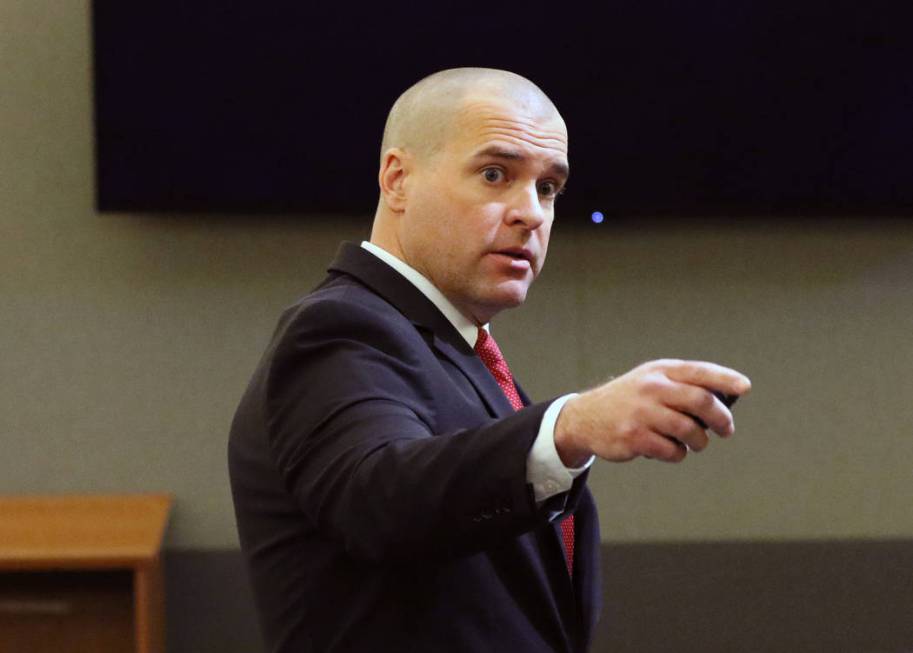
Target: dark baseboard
{"type": "Point", "coordinates": [208, 603]}
{"type": "Point", "coordinates": [777, 597]}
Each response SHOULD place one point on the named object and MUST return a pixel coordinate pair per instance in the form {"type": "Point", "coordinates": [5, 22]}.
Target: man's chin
{"type": "Point", "coordinates": [506, 295]}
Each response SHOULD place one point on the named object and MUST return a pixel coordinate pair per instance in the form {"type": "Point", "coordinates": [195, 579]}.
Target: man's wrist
{"type": "Point", "coordinates": [572, 455]}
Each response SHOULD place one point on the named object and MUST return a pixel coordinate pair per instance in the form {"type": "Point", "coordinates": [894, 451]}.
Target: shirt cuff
{"type": "Point", "coordinates": [544, 469]}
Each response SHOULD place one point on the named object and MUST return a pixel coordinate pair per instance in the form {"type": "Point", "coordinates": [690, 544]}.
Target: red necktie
{"type": "Point", "coordinates": [488, 351]}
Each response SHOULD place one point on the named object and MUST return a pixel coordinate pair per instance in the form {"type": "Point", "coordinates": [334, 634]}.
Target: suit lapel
{"type": "Point", "coordinates": [369, 270]}
{"type": "Point", "coordinates": [474, 369]}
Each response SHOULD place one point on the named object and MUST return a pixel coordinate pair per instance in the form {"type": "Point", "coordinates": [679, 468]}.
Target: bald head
{"type": "Point", "coordinates": [472, 162]}
{"type": "Point", "coordinates": [423, 117]}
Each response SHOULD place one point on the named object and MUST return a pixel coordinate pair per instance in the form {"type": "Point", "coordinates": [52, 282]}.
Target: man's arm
{"type": "Point", "coordinates": [353, 407]}
{"type": "Point", "coordinates": [649, 412]}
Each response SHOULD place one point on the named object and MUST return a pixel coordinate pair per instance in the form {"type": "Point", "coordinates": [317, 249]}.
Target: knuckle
{"type": "Point", "coordinates": [669, 451]}
{"type": "Point", "coordinates": [639, 415]}
{"type": "Point", "coordinates": [706, 400]}
{"type": "Point", "coordinates": [652, 449]}
{"type": "Point", "coordinates": [652, 384]}
{"type": "Point", "coordinates": [630, 430]}
{"type": "Point", "coordinates": [699, 444]}
{"type": "Point", "coordinates": [681, 426]}
{"type": "Point", "coordinates": [658, 364]}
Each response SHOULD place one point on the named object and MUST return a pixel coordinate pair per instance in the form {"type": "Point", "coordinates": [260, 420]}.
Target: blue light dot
{"type": "Point", "coordinates": [597, 217]}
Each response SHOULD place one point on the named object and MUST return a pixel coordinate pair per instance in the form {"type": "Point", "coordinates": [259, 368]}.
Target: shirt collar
{"type": "Point", "coordinates": [460, 322]}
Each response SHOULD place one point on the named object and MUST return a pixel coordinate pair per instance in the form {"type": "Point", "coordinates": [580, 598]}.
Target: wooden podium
{"type": "Point", "coordinates": [82, 573]}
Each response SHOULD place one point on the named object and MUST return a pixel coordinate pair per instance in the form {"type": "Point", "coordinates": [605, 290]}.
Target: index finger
{"type": "Point", "coordinates": [708, 375]}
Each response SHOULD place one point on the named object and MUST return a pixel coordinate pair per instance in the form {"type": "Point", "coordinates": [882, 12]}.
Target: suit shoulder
{"type": "Point", "coordinates": [341, 309]}
{"type": "Point", "coordinates": [348, 322]}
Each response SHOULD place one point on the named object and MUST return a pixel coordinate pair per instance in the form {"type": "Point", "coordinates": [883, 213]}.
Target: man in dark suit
{"type": "Point", "coordinates": [395, 490]}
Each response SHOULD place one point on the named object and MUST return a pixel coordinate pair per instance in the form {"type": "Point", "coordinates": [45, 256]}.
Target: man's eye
{"type": "Point", "coordinates": [493, 175]}
{"type": "Point", "coordinates": [548, 188]}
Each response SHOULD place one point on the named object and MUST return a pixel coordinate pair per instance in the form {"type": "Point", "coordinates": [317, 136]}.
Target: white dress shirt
{"type": "Point", "coordinates": [544, 469]}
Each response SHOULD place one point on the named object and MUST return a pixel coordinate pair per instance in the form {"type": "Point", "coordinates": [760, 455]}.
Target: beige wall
{"type": "Point", "coordinates": [126, 340]}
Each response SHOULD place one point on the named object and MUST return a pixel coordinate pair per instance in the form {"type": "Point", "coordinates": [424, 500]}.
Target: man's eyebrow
{"type": "Point", "coordinates": [557, 168]}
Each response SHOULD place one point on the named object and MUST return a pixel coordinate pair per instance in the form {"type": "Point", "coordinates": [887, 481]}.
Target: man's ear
{"type": "Point", "coordinates": [395, 167]}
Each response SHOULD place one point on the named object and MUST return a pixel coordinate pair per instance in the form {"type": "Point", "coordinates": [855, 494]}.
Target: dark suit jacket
{"type": "Point", "coordinates": [379, 481]}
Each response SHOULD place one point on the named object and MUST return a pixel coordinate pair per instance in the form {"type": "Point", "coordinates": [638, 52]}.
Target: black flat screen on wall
{"type": "Point", "coordinates": [675, 108]}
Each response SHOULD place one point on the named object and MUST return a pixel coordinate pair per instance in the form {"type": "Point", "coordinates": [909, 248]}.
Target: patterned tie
{"type": "Point", "coordinates": [491, 355]}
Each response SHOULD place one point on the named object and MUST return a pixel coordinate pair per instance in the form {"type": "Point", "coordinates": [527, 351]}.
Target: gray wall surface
{"type": "Point", "coordinates": [127, 339]}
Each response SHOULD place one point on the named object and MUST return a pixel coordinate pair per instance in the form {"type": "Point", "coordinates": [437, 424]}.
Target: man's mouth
{"type": "Point", "coordinates": [517, 253]}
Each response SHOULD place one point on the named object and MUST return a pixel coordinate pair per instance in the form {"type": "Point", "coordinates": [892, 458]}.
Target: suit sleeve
{"type": "Point", "coordinates": [351, 407]}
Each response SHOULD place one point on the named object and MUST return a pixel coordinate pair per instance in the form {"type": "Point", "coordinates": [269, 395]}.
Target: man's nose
{"type": "Point", "coordinates": [526, 208]}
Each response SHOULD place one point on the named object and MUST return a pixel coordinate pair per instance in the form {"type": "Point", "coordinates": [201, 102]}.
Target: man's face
{"type": "Point", "coordinates": [479, 211]}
